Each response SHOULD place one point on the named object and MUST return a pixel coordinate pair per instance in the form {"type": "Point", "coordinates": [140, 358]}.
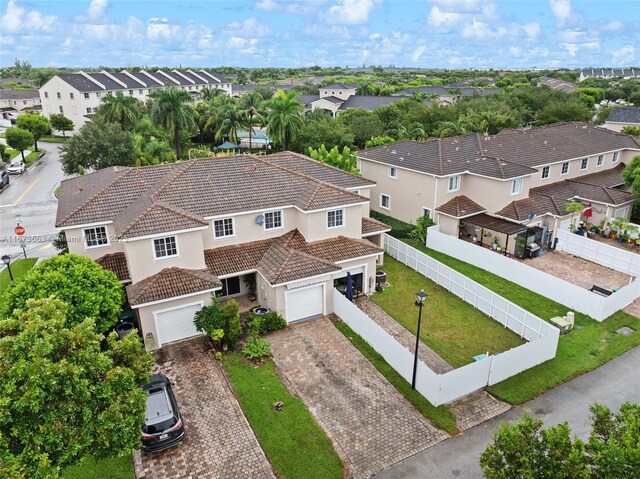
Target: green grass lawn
{"type": "Point", "coordinates": [32, 157]}
{"type": "Point", "coordinates": [54, 139]}
{"type": "Point", "coordinates": [440, 416]}
{"type": "Point", "coordinates": [111, 468]}
{"type": "Point", "coordinates": [453, 328]}
{"type": "Point", "coordinates": [12, 153]}
{"type": "Point", "coordinates": [294, 443]}
{"type": "Point", "coordinates": [590, 345]}
{"type": "Point", "coordinates": [18, 268]}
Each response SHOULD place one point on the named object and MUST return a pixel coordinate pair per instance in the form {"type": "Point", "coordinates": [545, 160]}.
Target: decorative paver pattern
{"type": "Point", "coordinates": [219, 442]}
{"type": "Point", "coordinates": [476, 409]}
{"type": "Point", "coordinates": [370, 424]}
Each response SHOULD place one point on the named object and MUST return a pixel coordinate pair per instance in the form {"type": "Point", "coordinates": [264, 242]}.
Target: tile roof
{"type": "Point", "coordinates": [19, 94]}
{"type": "Point", "coordinates": [332, 99]}
{"type": "Point", "coordinates": [371, 102]}
{"type": "Point", "coordinates": [509, 154]}
{"type": "Point", "coordinates": [108, 83]}
{"type": "Point", "coordinates": [150, 82]}
{"type": "Point", "coordinates": [169, 283]}
{"type": "Point", "coordinates": [156, 218]}
{"type": "Point", "coordinates": [372, 226]}
{"type": "Point", "coordinates": [127, 80]}
{"type": "Point", "coordinates": [116, 262]}
{"type": "Point", "coordinates": [460, 206]}
{"type": "Point", "coordinates": [288, 257]}
{"type": "Point", "coordinates": [610, 178]}
{"type": "Point", "coordinates": [318, 170]}
{"type": "Point", "coordinates": [557, 84]}
{"type": "Point", "coordinates": [198, 188]}
{"type": "Point", "coordinates": [568, 189]}
{"type": "Point", "coordinates": [625, 115]}
{"type": "Point", "coordinates": [538, 205]}
{"type": "Point", "coordinates": [79, 82]}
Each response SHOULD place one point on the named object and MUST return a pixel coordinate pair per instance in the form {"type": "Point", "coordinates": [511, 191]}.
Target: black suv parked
{"type": "Point", "coordinates": [4, 179]}
{"type": "Point", "coordinates": [163, 426]}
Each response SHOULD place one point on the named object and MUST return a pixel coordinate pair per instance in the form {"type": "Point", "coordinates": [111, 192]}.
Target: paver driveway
{"type": "Point", "coordinates": [219, 442]}
{"type": "Point", "coordinates": [370, 424]}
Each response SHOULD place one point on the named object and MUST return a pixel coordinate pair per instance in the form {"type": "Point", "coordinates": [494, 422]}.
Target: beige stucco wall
{"type": "Point", "coordinates": [448, 225]}
{"type": "Point", "coordinates": [325, 105]}
{"type": "Point", "coordinates": [342, 93]}
{"type": "Point", "coordinates": [615, 126]}
{"type": "Point", "coordinates": [142, 264]}
{"type": "Point", "coordinates": [370, 271]}
{"type": "Point", "coordinates": [75, 240]}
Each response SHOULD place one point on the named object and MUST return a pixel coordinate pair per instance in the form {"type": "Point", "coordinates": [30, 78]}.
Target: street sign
{"type": "Point", "coordinates": [19, 230]}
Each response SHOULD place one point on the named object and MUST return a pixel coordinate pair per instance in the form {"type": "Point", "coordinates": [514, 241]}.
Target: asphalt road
{"type": "Point", "coordinates": [29, 199]}
{"type": "Point", "coordinates": [612, 384]}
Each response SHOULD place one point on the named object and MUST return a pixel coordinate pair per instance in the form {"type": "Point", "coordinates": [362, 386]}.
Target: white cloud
{"type": "Point", "coordinates": [97, 9]}
{"type": "Point", "coordinates": [443, 20]}
{"type": "Point", "coordinates": [351, 12]}
{"type": "Point", "coordinates": [295, 6]}
{"type": "Point", "coordinates": [612, 26]}
{"type": "Point", "coordinates": [460, 6]}
{"type": "Point", "coordinates": [267, 5]}
{"type": "Point", "coordinates": [16, 20]}
{"type": "Point", "coordinates": [561, 9]}
{"type": "Point", "coordinates": [159, 28]}
{"type": "Point", "coordinates": [624, 56]}
{"type": "Point", "coordinates": [249, 28]}
{"type": "Point", "coordinates": [243, 45]}
{"type": "Point", "coordinates": [418, 52]}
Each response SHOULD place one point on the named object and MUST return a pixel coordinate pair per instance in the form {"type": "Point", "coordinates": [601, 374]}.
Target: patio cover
{"type": "Point", "coordinates": [495, 224]}
{"type": "Point", "coordinates": [227, 145]}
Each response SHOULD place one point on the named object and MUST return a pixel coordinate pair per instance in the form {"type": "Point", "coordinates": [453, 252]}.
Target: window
{"type": "Point", "coordinates": [165, 247]}
{"type": "Point", "coordinates": [335, 218]}
{"type": "Point", "coordinates": [223, 228]}
{"type": "Point", "coordinates": [385, 202]}
{"type": "Point", "coordinates": [61, 109]}
{"type": "Point", "coordinates": [71, 95]}
{"type": "Point", "coordinates": [98, 94]}
{"type": "Point", "coordinates": [94, 237]}
{"type": "Point", "coordinates": [86, 96]}
{"type": "Point", "coordinates": [273, 220]}
{"type": "Point", "coordinates": [46, 95]}
{"type": "Point", "coordinates": [516, 186]}
{"type": "Point", "coordinates": [393, 172]}
{"type": "Point", "coordinates": [600, 161]}
{"type": "Point", "coordinates": [454, 183]}
{"type": "Point", "coordinates": [24, 102]}
{"type": "Point", "coordinates": [584, 163]}
{"type": "Point", "coordinates": [59, 95]}
{"type": "Point", "coordinates": [615, 157]}
{"type": "Point", "coordinates": [230, 286]}
{"type": "Point", "coordinates": [89, 110]}
{"type": "Point", "coordinates": [140, 92]}
{"type": "Point", "coordinates": [130, 92]}
{"type": "Point", "coordinates": [426, 212]}
{"type": "Point", "coordinates": [565, 168]}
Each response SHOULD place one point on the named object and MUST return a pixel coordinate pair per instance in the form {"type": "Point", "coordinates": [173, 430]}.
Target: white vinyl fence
{"type": "Point", "coordinates": [570, 295]}
{"type": "Point", "coordinates": [626, 262]}
{"type": "Point", "coordinates": [444, 388]}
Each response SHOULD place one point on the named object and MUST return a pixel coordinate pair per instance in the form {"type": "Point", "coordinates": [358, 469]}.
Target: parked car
{"type": "Point", "coordinates": [4, 179]}
{"type": "Point", "coordinates": [163, 426]}
{"type": "Point", "coordinates": [16, 167]}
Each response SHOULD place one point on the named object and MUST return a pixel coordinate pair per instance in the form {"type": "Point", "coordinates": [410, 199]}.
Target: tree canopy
{"type": "Point", "coordinates": [171, 110]}
{"type": "Point", "coordinates": [19, 139]}
{"type": "Point", "coordinates": [36, 124]}
{"type": "Point", "coordinates": [120, 109]}
{"type": "Point", "coordinates": [631, 175]}
{"type": "Point", "coordinates": [284, 117]}
{"type": "Point", "coordinates": [88, 290]}
{"type": "Point", "coordinates": [61, 123]}
{"type": "Point", "coordinates": [65, 394]}
{"type": "Point", "coordinates": [344, 159]}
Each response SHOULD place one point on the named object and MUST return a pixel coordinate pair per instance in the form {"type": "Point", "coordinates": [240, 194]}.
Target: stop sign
{"type": "Point", "coordinates": [19, 230]}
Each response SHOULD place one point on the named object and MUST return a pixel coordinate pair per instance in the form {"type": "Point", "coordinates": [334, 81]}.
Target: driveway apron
{"type": "Point", "coordinates": [370, 424]}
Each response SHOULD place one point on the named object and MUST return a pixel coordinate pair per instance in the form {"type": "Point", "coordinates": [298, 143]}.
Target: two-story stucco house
{"type": "Point", "coordinates": [524, 177]}
{"type": "Point", "coordinates": [175, 233]}
{"type": "Point", "coordinates": [15, 102]}
{"type": "Point", "coordinates": [78, 95]}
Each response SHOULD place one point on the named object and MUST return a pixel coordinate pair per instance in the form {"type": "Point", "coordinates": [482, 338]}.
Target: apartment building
{"type": "Point", "coordinates": [78, 95]}
{"type": "Point", "coordinates": [15, 102]}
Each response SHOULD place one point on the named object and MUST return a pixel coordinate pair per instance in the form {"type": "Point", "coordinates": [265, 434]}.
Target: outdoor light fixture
{"type": "Point", "coordinates": [420, 298]}
{"type": "Point", "coordinates": [6, 259]}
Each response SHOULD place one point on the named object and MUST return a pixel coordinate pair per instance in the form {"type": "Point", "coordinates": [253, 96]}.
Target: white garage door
{"type": "Point", "coordinates": [305, 303]}
{"type": "Point", "coordinates": [176, 324]}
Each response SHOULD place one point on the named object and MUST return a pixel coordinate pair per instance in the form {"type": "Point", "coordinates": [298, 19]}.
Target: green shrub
{"type": "Point", "coordinates": [257, 348]}
{"type": "Point", "coordinates": [210, 318]}
{"type": "Point", "coordinates": [233, 328]}
{"type": "Point", "coordinates": [399, 229]}
{"type": "Point", "coordinates": [271, 321]}
{"type": "Point", "coordinates": [419, 232]}
{"type": "Point", "coordinates": [253, 324]}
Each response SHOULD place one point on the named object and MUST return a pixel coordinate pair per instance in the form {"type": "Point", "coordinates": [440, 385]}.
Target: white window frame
{"type": "Point", "coordinates": [562, 168]}
{"type": "Point", "coordinates": [140, 92]}
{"type": "Point", "coordinates": [584, 164]}
{"type": "Point", "coordinates": [71, 95]}
{"type": "Point", "coordinates": [168, 256]}
{"type": "Point", "coordinates": [616, 157]}
{"type": "Point", "coordinates": [516, 183]}
{"type": "Point", "coordinates": [59, 95]}
{"type": "Point", "coordinates": [233, 228]}
{"type": "Point", "coordinates": [388, 207]}
{"type": "Point", "coordinates": [546, 169]}
{"type": "Point", "coordinates": [336, 225]}
{"type": "Point", "coordinates": [600, 161]}
{"type": "Point", "coordinates": [86, 96]}
{"type": "Point", "coordinates": [94, 228]}
{"type": "Point", "coordinates": [427, 210]}
{"type": "Point", "coordinates": [130, 92]}
{"type": "Point", "coordinates": [456, 180]}
{"type": "Point", "coordinates": [393, 172]}
{"type": "Point", "coordinates": [88, 110]}
{"type": "Point", "coordinates": [273, 213]}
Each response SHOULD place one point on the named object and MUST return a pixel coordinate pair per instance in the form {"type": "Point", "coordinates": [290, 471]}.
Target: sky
{"type": "Point", "coordinates": [281, 33]}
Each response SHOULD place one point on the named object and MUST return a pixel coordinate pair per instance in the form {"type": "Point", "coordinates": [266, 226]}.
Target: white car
{"type": "Point", "coordinates": [16, 167]}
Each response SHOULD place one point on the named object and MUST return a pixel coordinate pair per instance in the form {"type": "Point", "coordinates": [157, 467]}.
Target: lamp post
{"type": "Point", "coordinates": [6, 259]}
{"type": "Point", "coordinates": [420, 297]}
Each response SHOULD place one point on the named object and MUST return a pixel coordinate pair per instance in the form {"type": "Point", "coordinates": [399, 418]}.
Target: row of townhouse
{"type": "Point", "coordinates": [78, 95]}
{"type": "Point", "coordinates": [14, 102]}
{"type": "Point", "coordinates": [176, 233]}
{"type": "Point", "coordinates": [609, 73]}
{"type": "Point", "coordinates": [502, 182]}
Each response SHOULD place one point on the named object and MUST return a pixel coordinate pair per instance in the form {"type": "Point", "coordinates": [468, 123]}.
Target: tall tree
{"type": "Point", "coordinates": [172, 110]}
{"type": "Point", "coordinates": [284, 117]}
{"type": "Point", "coordinates": [209, 93]}
{"type": "Point", "coordinates": [574, 207]}
{"type": "Point", "coordinates": [19, 139]}
{"type": "Point", "coordinates": [66, 393]}
{"type": "Point", "coordinates": [233, 120]}
{"type": "Point", "coordinates": [631, 175]}
{"type": "Point", "coordinates": [36, 124]}
{"type": "Point", "coordinates": [120, 109]}
{"type": "Point", "coordinates": [251, 106]}
{"type": "Point", "coordinates": [61, 123]}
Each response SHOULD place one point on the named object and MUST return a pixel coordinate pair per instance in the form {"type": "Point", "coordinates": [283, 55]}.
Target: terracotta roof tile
{"type": "Point", "coordinates": [372, 226]}
{"type": "Point", "coordinates": [116, 262]}
{"type": "Point", "coordinates": [169, 283]}
{"type": "Point", "coordinates": [342, 248]}
{"type": "Point", "coordinates": [235, 258]}
{"type": "Point", "coordinates": [460, 206]}
{"type": "Point", "coordinates": [158, 218]}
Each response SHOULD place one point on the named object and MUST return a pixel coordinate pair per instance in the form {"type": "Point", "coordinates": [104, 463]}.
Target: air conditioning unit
{"type": "Point", "coordinates": [564, 323]}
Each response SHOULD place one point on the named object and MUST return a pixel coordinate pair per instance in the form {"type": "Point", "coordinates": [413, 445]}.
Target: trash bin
{"type": "Point", "coordinates": [124, 328]}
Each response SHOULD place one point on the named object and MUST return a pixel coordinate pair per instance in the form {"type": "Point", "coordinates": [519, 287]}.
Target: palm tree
{"type": "Point", "coordinates": [450, 128]}
{"type": "Point", "coordinates": [233, 119]}
{"type": "Point", "coordinates": [416, 132]}
{"type": "Point", "coordinates": [209, 93]}
{"type": "Point", "coordinates": [212, 116]}
{"type": "Point", "coordinates": [171, 110]}
{"type": "Point", "coordinates": [573, 207]}
{"type": "Point", "coordinates": [124, 110]}
{"type": "Point", "coordinates": [285, 116]}
{"type": "Point", "coordinates": [251, 106]}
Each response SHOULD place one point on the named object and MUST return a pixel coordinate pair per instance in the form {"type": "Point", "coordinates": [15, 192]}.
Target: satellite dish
{"type": "Point", "coordinates": [530, 216]}
{"type": "Point", "coordinates": [259, 219]}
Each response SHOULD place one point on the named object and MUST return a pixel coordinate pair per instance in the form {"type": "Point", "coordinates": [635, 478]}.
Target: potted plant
{"type": "Point", "coordinates": [496, 242]}
{"type": "Point", "coordinates": [250, 283]}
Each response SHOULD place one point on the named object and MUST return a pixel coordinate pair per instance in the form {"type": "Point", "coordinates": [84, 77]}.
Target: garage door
{"type": "Point", "coordinates": [176, 324]}
{"type": "Point", "coordinates": [305, 303]}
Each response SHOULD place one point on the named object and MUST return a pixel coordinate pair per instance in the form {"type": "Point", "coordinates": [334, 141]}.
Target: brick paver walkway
{"type": "Point", "coordinates": [370, 424]}
{"type": "Point", "coordinates": [219, 442]}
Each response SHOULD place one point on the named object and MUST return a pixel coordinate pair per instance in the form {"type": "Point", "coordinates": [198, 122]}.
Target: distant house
{"type": "Point", "coordinates": [15, 102]}
{"type": "Point", "coordinates": [78, 95]}
{"type": "Point", "coordinates": [447, 95]}
{"type": "Point", "coordinates": [621, 117]}
{"type": "Point", "coordinates": [557, 84]}
{"type": "Point", "coordinates": [609, 73]}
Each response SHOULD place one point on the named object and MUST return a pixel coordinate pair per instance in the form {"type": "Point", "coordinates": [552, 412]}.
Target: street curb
{"type": "Point", "coordinates": [35, 162]}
